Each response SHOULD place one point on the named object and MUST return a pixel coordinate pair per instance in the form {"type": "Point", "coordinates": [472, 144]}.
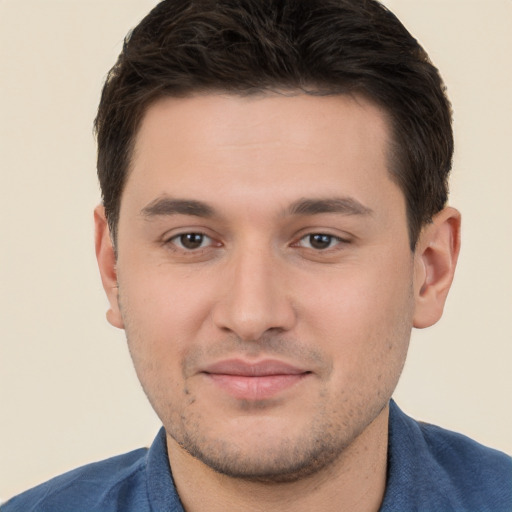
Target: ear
{"type": "Point", "coordinates": [107, 265]}
{"type": "Point", "coordinates": [435, 260]}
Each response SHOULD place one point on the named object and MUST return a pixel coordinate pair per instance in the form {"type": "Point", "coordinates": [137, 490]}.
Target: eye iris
{"type": "Point", "coordinates": [191, 240]}
{"type": "Point", "coordinates": [320, 241]}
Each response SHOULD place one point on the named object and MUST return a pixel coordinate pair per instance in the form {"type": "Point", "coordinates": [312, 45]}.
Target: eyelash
{"type": "Point", "coordinates": [178, 242]}
{"type": "Point", "coordinates": [321, 238]}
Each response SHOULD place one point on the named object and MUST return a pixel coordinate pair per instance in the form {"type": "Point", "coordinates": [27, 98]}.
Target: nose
{"type": "Point", "coordinates": [255, 298]}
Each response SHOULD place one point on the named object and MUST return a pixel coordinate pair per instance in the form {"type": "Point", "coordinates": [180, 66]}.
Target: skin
{"type": "Point", "coordinates": [221, 258]}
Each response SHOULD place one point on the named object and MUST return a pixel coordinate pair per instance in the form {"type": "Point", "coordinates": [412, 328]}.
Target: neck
{"type": "Point", "coordinates": [355, 482]}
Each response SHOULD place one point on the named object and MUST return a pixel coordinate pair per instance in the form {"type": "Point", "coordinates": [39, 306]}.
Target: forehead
{"type": "Point", "coordinates": [262, 117]}
{"type": "Point", "coordinates": [250, 146]}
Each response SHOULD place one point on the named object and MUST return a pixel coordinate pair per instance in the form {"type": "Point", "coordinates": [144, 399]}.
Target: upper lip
{"type": "Point", "coordinates": [253, 369]}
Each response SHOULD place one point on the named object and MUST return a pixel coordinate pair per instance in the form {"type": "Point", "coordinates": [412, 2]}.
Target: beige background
{"type": "Point", "coordinates": [68, 392]}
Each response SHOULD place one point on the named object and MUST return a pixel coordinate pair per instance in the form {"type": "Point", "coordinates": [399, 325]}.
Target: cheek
{"type": "Point", "coordinates": [154, 332]}
{"type": "Point", "coordinates": [363, 317]}
{"type": "Point", "coordinates": [359, 295]}
{"type": "Point", "coordinates": [165, 316]}
{"type": "Point", "coordinates": [162, 302]}
{"type": "Point", "coordinates": [151, 315]}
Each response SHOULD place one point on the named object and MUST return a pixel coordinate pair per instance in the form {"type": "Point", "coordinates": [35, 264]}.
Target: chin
{"type": "Point", "coordinates": [273, 458]}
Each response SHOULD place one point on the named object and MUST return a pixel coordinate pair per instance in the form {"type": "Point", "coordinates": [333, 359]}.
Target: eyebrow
{"type": "Point", "coordinates": [170, 206]}
{"type": "Point", "coordinates": [343, 205]}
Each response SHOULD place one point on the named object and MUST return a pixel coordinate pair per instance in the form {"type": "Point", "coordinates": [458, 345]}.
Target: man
{"type": "Point", "coordinates": [274, 223]}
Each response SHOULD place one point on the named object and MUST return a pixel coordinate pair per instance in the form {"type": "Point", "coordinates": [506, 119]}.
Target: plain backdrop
{"type": "Point", "coordinates": [68, 392]}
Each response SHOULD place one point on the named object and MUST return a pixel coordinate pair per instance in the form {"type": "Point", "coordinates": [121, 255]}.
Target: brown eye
{"type": "Point", "coordinates": [191, 241]}
{"type": "Point", "coordinates": [320, 241]}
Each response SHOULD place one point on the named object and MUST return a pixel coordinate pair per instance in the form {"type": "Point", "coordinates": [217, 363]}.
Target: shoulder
{"type": "Point", "coordinates": [482, 474]}
{"type": "Point", "coordinates": [436, 469]}
{"type": "Point", "coordinates": [104, 486]}
{"type": "Point", "coordinates": [459, 452]}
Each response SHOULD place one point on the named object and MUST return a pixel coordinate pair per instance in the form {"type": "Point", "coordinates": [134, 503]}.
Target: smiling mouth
{"type": "Point", "coordinates": [254, 381]}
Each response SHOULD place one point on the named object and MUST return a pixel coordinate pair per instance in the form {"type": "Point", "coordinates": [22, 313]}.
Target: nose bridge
{"type": "Point", "coordinates": [255, 297]}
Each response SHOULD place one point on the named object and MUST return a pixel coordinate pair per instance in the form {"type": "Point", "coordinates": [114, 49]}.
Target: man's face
{"type": "Point", "coordinates": [265, 277]}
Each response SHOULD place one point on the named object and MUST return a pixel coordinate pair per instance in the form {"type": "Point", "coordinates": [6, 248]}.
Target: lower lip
{"type": "Point", "coordinates": [255, 388]}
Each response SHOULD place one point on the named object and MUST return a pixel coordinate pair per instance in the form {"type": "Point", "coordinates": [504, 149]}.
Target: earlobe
{"type": "Point", "coordinates": [106, 258]}
{"type": "Point", "coordinates": [435, 261]}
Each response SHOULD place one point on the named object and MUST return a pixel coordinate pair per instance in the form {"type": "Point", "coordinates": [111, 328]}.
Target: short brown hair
{"type": "Point", "coordinates": [317, 46]}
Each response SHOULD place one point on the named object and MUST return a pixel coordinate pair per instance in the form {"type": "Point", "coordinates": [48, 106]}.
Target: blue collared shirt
{"type": "Point", "coordinates": [429, 470]}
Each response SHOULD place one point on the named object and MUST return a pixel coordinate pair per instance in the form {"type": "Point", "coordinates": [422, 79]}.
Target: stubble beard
{"type": "Point", "coordinates": [290, 461]}
{"type": "Point", "coordinates": [320, 448]}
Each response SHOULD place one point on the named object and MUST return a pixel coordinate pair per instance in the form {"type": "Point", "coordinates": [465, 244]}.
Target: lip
{"type": "Point", "coordinates": [254, 381]}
